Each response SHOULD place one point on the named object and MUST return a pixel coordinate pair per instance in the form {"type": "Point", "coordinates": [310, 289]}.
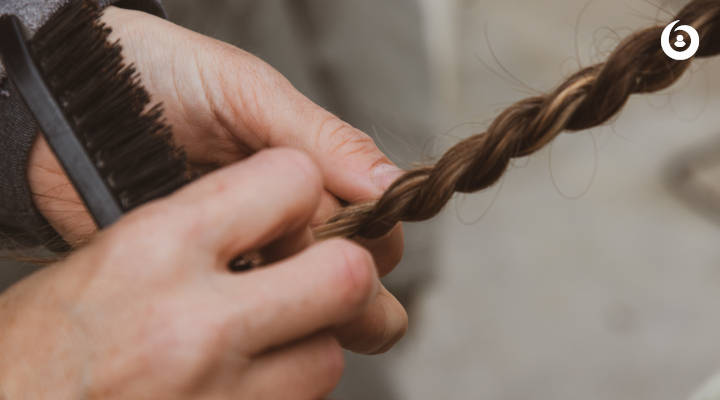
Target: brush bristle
{"type": "Point", "coordinates": [127, 139]}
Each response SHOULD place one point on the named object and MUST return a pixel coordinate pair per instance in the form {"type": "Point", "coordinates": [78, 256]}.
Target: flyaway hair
{"type": "Point", "coordinates": [588, 98]}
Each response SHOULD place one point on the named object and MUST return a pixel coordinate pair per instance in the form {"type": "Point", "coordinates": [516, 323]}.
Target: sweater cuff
{"type": "Point", "coordinates": [21, 224]}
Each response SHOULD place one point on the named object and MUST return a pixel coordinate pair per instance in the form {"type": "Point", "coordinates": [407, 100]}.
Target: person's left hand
{"type": "Point", "coordinates": [225, 104]}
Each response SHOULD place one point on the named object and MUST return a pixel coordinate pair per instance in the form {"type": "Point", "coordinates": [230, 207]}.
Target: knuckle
{"type": "Point", "coordinates": [341, 137]}
{"type": "Point", "coordinates": [299, 165]}
{"type": "Point", "coordinates": [355, 272]}
{"type": "Point", "coordinates": [161, 220]}
{"type": "Point", "coordinates": [216, 336]}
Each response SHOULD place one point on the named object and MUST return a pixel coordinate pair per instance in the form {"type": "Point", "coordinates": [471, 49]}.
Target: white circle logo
{"type": "Point", "coordinates": [680, 41]}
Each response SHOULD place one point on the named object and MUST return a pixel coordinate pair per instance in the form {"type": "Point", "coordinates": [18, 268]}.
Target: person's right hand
{"type": "Point", "coordinates": [149, 310]}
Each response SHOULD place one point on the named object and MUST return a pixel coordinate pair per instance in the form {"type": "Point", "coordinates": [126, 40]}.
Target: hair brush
{"type": "Point", "coordinates": [92, 110]}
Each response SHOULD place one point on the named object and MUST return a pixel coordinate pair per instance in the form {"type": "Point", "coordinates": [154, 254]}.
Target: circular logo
{"type": "Point", "coordinates": [680, 41]}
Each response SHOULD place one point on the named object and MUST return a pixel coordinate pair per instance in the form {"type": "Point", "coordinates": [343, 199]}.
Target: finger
{"type": "Point", "coordinates": [326, 285]}
{"type": "Point", "coordinates": [249, 204]}
{"type": "Point", "coordinates": [329, 204]}
{"type": "Point", "coordinates": [309, 369]}
{"type": "Point", "coordinates": [378, 328]}
{"type": "Point", "coordinates": [287, 246]}
{"type": "Point", "coordinates": [386, 250]}
{"type": "Point", "coordinates": [365, 171]}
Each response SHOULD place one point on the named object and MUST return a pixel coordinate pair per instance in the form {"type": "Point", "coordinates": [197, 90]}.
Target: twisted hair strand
{"type": "Point", "coordinates": [588, 98]}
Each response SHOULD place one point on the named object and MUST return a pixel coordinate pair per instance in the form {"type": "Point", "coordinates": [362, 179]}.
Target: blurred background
{"type": "Point", "coordinates": [592, 271]}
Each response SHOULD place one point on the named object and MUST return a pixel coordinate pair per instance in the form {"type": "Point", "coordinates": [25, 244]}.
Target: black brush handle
{"type": "Point", "coordinates": [21, 69]}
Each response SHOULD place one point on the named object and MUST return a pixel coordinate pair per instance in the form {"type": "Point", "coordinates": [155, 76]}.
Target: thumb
{"type": "Point", "coordinates": [227, 93]}
{"type": "Point", "coordinates": [353, 167]}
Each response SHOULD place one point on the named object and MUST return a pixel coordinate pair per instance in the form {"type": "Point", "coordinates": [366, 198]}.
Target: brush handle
{"type": "Point", "coordinates": [58, 131]}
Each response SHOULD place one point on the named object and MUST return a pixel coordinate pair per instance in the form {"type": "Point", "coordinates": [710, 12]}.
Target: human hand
{"type": "Point", "coordinates": [225, 104]}
{"type": "Point", "coordinates": [149, 310]}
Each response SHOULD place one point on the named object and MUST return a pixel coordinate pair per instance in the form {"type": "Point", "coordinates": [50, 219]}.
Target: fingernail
{"type": "Point", "coordinates": [385, 174]}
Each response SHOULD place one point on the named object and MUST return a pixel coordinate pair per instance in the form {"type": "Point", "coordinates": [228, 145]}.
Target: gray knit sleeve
{"type": "Point", "coordinates": [20, 222]}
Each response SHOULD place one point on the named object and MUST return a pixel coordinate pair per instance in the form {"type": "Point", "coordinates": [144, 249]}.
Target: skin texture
{"type": "Point", "coordinates": [148, 310]}
{"type": "Point", "coordinates": [225, 104]}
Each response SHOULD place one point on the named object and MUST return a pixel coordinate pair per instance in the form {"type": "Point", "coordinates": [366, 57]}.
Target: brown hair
{"type": "Point", "coordinates": [586, 99]}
